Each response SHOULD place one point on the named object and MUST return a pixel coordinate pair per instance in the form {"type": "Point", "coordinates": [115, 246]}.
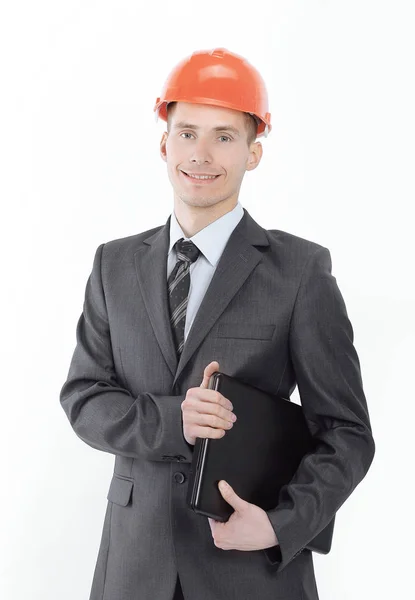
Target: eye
{"type": "Point", "coordinates": [221, 136]}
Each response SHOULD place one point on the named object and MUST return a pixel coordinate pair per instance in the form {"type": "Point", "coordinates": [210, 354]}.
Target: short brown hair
{"type": "Point", "coordinates": [251, 124]}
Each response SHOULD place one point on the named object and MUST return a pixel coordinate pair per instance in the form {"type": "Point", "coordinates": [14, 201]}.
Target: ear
{"type": "Point", "coordinates": [163, 152]}
{"type": "Point", "coordinates": [255, 156]}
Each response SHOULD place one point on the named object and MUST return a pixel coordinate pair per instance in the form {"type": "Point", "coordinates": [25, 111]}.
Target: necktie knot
{"type": "Point", "coordinates": [186, 250]}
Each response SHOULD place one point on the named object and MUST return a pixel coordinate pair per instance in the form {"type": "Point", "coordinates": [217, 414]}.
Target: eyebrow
{"type": "Point", "coordinates": [185, 125]}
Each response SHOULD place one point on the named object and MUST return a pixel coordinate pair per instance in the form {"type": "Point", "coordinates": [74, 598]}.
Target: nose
{"type": "Point", "coordinates": [201, 154]}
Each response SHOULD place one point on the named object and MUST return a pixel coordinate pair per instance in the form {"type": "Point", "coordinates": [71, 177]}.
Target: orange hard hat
{"type": "Point", "coordinates": [220, 78]}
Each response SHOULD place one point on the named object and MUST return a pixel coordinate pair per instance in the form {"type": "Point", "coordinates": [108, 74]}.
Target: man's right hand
{"type": "Point", "coordinates": [206, 413]}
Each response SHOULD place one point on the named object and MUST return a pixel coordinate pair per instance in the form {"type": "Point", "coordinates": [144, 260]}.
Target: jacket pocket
{"type": "Point", "coordinates": [252, 331]}
{"type": "Point", "coordinates": [120, 490]}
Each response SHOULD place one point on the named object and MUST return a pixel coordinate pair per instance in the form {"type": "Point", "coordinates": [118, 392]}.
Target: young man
{"type": "Point", "coordinates": [212, 290]}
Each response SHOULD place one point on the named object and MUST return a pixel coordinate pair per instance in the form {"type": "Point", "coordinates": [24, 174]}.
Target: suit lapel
{"type": "Point", "coordinates": [238, 260]}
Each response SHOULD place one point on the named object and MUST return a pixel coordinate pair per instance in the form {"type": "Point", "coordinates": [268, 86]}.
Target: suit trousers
{"type": "Point", "coordinates": [178, 594]}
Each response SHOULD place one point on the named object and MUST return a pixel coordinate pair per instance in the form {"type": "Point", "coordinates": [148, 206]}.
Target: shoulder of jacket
{"type": "Point", "coordinates": [293, 243]}
{"type": "Point", "coordinates": [124, 244]}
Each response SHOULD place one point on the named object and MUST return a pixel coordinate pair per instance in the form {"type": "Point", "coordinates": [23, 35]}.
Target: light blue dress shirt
{"type": "Point", "coordinates": [211, 241]}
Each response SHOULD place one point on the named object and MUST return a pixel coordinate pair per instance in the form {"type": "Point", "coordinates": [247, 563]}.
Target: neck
{"type": "Point", "coordinates": [195, 218]}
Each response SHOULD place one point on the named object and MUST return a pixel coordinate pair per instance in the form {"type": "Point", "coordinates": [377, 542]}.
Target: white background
{"type": "Point", "coordinates": [80, 165]}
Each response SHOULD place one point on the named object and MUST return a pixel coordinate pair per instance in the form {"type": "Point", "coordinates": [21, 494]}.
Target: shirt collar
{"type": "Point", "coordinates": [212, 239]}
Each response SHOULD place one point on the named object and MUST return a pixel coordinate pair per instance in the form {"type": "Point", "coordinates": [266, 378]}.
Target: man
{"type": "Point", "coordinates": [212, 290]}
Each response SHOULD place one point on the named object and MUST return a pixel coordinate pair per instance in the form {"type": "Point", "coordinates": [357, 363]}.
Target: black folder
{"type": "Point", "coordinates": [257, 456]}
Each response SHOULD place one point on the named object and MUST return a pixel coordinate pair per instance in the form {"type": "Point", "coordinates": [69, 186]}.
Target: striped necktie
{"type": "Point", "coordinates": [178, 285]}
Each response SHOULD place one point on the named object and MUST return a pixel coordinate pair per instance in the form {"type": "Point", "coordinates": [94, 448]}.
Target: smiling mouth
{"type": "Point", "coordinates": [201, 178]}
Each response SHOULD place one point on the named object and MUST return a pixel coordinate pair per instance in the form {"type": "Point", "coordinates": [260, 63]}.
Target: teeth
{"type": "Point", "coordinates": [203, 176]}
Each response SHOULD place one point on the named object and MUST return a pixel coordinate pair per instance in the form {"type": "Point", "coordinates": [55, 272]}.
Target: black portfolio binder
{"type": "Point", "coordinates": [257, 456]}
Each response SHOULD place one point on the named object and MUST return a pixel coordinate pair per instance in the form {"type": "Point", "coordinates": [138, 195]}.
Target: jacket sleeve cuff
{"type": "Point", "coordinates": [289, 545]}
{"type": "Point", "coordinates": [172, 446]}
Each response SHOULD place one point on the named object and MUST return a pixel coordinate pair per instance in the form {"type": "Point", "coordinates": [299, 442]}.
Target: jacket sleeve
{"type": "Point", "coordinates": [102, 413]}
{"type": "Point", "coordinates": [327, 372]}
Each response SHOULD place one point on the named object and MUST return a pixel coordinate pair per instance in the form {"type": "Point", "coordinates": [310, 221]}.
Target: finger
{"type": "Point", "coordinates": [196, 397]}
{"type": "Point", "coordinates": [208, 402]}
{"type": "Point", "coordinates": [203, 420]}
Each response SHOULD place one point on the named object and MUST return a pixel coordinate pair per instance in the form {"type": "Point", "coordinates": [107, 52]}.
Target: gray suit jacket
{"type": "Point", "coordinates": [272, 315]}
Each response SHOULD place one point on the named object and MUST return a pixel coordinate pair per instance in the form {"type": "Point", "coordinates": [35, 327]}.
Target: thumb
{"type": "Point", "coordinates": [231, 496]}
{"type": "Point", "coordinates": [209, 370]}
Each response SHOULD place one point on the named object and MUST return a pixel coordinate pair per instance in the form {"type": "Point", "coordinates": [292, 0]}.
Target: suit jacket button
{"type": "Point", "coordinates": [179, 477]}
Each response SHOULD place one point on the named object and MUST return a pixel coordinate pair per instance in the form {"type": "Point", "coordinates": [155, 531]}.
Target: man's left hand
{"type": "Point", "coordinates": [248, 528]}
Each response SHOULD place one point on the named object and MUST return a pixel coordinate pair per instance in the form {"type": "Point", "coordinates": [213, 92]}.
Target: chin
{"type": "Point", "coordinates": [200, 200]}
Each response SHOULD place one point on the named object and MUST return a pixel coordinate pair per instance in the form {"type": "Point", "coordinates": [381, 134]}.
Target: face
{"type": "Point", "coordinates": [199, 143]}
